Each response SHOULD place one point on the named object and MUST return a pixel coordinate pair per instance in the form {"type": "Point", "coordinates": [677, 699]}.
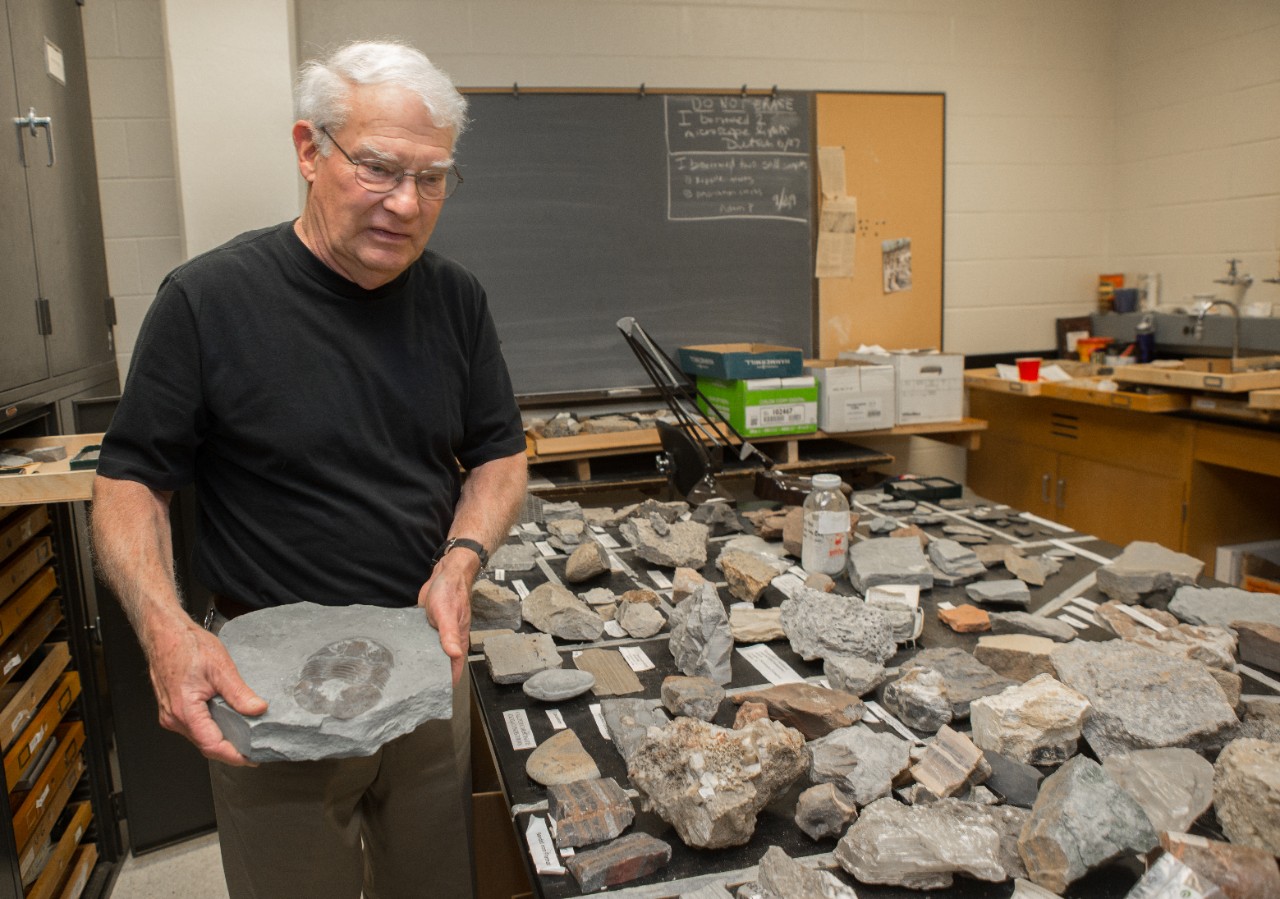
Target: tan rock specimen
{"type": "Point", "coordinates": [793, 529]}
{"type": "Point", "coordinates": [561, 759]}
{"type": "Point", "coordinates": [642, 595]}
{"type": "Point", "coordinates": [748, 712]}
{"type": "Point", "coordinates": [1036, 723]}
{"type": "Point", "coordinates": [965, 619]}
{"type": "Point", "coordinates": [912, 530]}
{"type": "Point", "coordinates": [1241, 872]}
{"type": "Point", "coordinates": [684, 583]}
{"type": "Point", "coordinates": [746, 574]}
{"type": "Point", "coordinates": [1259, 643]}
{"type": "Point", "coordinates": [639, 619]}
{"type": "Point", "coordinates": [614, 676]}
{"type": "Point", "coordinates": [756, 625]}
{"type": "Point", "coordinates": [810, 709]}
{"type": "Point", "coordinates": [1019, 657]}
{"type": "Point", "coordinates": [951, 764]}
{"type": "Point", "coordinates": [555, 610]}
{"type": "Point", "coordinates": [588, 560]}
{"type": "Point", "coordinates": [819, 581]}
{"type": "Point", "coordinates": [1246, 793]}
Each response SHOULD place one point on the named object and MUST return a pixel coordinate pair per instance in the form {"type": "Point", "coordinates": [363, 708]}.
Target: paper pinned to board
{"type": "Point", "coordinates": [834, 255]}
{"type": "Point", "coordinates": [831, 171]}
{"type": "Point", "coordinates": [839, 214]}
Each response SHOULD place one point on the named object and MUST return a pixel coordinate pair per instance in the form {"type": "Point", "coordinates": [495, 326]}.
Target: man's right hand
{"type": "Point", "coordinates": [187, 670]}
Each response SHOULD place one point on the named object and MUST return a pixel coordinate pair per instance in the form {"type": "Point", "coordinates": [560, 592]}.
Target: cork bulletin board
{"type": "Point", "coordinates": [894, 166]}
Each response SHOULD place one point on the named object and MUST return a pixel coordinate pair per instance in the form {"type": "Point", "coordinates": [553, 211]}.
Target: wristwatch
{"type": "Point", "coordinates": [466, 543]}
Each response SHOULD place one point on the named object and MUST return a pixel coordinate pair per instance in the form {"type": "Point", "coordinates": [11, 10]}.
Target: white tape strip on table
{"type": "Point", "coordinates": [766, 661]}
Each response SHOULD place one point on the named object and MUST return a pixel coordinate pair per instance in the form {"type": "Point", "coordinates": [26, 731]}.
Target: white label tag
{"type": "Point", "coordinates": [1087, 603]}
{"type": "Point", "coordinates": [556, 719]}
{"type": "Point", "coordinates": [1141, 618]}
{"type": "Point", "coordinates": [1074, 622]}
{"type": "Point", "coordinates": [12, 663]}
{"type": "Point", "coordinates": [787, 584]}
{"type": "Point", "coordinates": [662, 581]}
{"type": "Point", "coordinates": [607, 540]}
{"type": "Point", "coordinates": [23, 717]}
{"type": "Point", "coordinates": [43, 796]}
{"type": "Point", "coordinates": [946, 605]}
{"type": "Point", "coordinates": [498, 574]}
{"type": "Point", "coordinates": [531, 527]}
{"type": "Point", "coordinates": [833, 522]}
{"type": "Point", "coordinates": [518, 729]}
{"type": "Point", "coordinates": [876, 709]}
{"type": "Point", "coordinates": [545, 548]}
{"type": "Point", "coordinates": [35, 740]}
{"type": "Point", "coordinates": [598, 529]}
{"type": "Point", "coordinates": [613, 629]}
{"type": "Point", "coordinates": [521, 590]}
{"type": "Point", "coordinates": [766, 661]}
{"type": "Point", "coordinates": [542, 849]}
{"type": "Point", "coordinates": [636, 658]}
{"type": "Point", "coordinates": [599, 716]}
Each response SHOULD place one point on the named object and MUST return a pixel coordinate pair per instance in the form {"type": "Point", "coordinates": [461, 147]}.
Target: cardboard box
{"type": "Point", "coordinates": [729, 361]}
{"type": "Point", "coordinates": [929, 386]}
{"type": "Point", "coordinates": [1253, 566]}
{"type": "Point", "coordinates": [764, 407]}
{"type": "Point", "coordinates": [853, 395]}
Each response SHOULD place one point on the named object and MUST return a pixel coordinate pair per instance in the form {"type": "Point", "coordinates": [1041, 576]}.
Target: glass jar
{"type": "Point", "coordinates": [826, 527]}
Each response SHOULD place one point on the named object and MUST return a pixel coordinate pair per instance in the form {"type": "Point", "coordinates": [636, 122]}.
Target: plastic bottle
{"type": "Point", "coordinates": [1145, 340]}
{"type": "Point", "coordinates": [826, 527]}
{"type": "Point", "coordinates": [1149, 294]}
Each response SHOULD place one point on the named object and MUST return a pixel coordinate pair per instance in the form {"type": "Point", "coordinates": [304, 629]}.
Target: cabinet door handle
{"type": "Point", "coordinates": [32, 121]}
{"type": "Point", "coordinates": [1044, 488]}
{"type": "Point", "coordinates": [1062, 493]}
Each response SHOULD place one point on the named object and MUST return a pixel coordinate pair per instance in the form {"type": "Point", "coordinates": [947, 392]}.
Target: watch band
{"type": "Point", "coordinates": [466, 543]}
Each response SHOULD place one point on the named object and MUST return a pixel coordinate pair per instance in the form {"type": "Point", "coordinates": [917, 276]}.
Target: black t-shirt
{"type": "Point", "coordinates": [320, 422]}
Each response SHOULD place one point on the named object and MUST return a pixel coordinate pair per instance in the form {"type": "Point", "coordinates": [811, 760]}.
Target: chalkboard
{"type": "Point", "coordinates": [689, 212]}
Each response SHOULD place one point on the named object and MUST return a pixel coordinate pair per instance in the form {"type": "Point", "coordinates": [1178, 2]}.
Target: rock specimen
{"type": "Point", "coordinates": [478, 637]}
{"type": "Point", "coordinates": [1211, 646]}
{"type": "Point", "coordinates": [587, 561]}
{"type": "Point", "coordinates": [1031, 570]}
{"type": "Point", "coordinates": [639, 619]}
{"type": "Point", "coordinates": [826, 624]}
{"type": "Point", "coordinates": [819, 581]}
{"type": "Point", "coordinates": [965, 619]}
{"type": "Point", "coordinates": [966, 678]}
{"type": "Point", "coordinates": [1037, 723]}
{"type": "Point", "coordinates": [919, 698]}
{"type": "Point", "coordinates": [710, 782]}
{"type": "Point", "coordinates": [683, 546]}
{"type": "Point", "coordinates": [1014, 782]}
{"type": "Point", "coordinates": [1004, 592]}
{"type": "Point", "coordinates": [561, 759]}
{"type": "Point", "coordinates": [684, 583]}
{"type": "Point", "coordinates": [781, 875]}
{"type": "Point", "coordinates": [852, 674]}
{"type": "Point", "coordinates": [808, 708]}
{"type": "Point", "coordinates": [1259, 643]}
{"type": "Point", "coordinates": [514, 557]}
{"type": "Point", "coordinates": [558, 684]}
{"type": "Point", "coordinates": [694, 697]}
{"type": "Point", "coordinates": [1241, 872]}
{"type": "Point", "coordinates": [955, 559]}
{"type": "Point", "coordinates": [747, 575]}
{"type": "Point", "coordinates": [1143, 699]}
{"type": "Point", "coordinates": [701, 642]}
{"type": "Point", "coordinates": [516, 658]}
{"type": "Point", "coordinates": [1221, 606]}
{"type": "Point", "coordinates": [1146, 568]}
{"type": "Point", "coordinates": [614, 677]}
{"type": "Point", "coordinates": [756, 625]}
{"type": "Point", "coordinates": [554, 610]}
{"type": "Point", "coordinates": [567, 532]}
{"type": "Point", "coordinates": [628, 722]}
{"type": "Point", "coordinates": [1036, 625]}
{"type": "Point", "coordinates": [921, 847]}
{"type": "Point", "coordinates": [1127, 621]}
{"type": "Point", "coordinates": [860, 761]}
{"type": "Point", "coordinates": [1246, 793]}
{"type": "Point", "coordinates": [642, 596]}
{"type": "Point", "coordinates": [748, 712]}
{"type": "Point", "coordinates": [823, 811]}
{"type": "Point", "coordinates": [626, 859]}
{"type": "Point", "coordinates": [1173, 786]}
{"type": "Point", "coordinates": [888, 560]}
{"type": "Point", "coordinates": [340, 681]}
{"type": "Point", "coordinates": [588, 811]}
{"type": "Point", "coordinates": [1081, 819]}
{"type": "Point", "coordinates": [950, 764]}
{"type": "Point", "coordinates": [1018, 657]}
{"type": "Point", "coordinates": [494, 606]}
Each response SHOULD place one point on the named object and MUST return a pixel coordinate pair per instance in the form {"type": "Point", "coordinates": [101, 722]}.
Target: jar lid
{"type": "Point", "coordinates": [825, 481]}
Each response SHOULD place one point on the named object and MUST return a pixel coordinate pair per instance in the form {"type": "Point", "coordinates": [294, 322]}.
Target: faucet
{"type": "Point", "coordinates": [1235, 332]}
{"type": "Point", "coordinates": [1235, 279]}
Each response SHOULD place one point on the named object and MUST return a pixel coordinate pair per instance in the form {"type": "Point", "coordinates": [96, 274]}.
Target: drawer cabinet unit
{"type": "Point", "coordinates": [1118, 475]}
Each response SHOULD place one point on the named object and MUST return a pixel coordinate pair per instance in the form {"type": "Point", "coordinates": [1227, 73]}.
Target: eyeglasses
{"type": "Point", "coordinates": [381, 177]}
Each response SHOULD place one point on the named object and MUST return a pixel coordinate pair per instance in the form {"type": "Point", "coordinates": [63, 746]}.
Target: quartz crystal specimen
{"type": "Point", "coordinates": [782, 876]}
{"type": "Point", "coordinates": [860, 761]}
{"type": "Point", "coordinates": [554, 610]}
{"type": "Point", "coordinates": [1246, 793]}
{"type": "Point", "coordinates": [1173, 786]}
{"type": "Point", "coordinates": [888, 560]}
{"type": "Point", "coordinates": [810, 709]}
{"type": "Point", "coordinates": [339, 681]}
{"type": "Point", "coordinates": [710, 782]}
{"type": "Point", "coordinates": [824, 811]}
{"type": "Point", "coordinates": [561, 759]}
{"type": "Point", "coordinates": [1146, 568]}
{"type": "Point", "coordinates": [1081, 819]}
{"type": "Point", "coordinates": [626, 859]}
{"type": "Point", "coordinates": [588, 811]}
{"type": "Point", "coordinates": [1037, 723]}
{"type": "Point", "coordinates": [826, 624]}
{"type": "Point", "coordinates": [701, 642]}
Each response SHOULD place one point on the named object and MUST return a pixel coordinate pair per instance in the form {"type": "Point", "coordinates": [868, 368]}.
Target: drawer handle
{"type": "Point", "coordinates": [1062, 492]}
{"type": "Point", "coordinates": [1044, 488]}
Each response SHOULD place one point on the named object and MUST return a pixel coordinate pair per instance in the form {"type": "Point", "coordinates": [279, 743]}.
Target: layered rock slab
{"type": "Point", "coordinates": [626, 859]}
{"type": "Point", "coordinates": [888, 560]}
{"type": "Point", "coordinates": [340, 681]}
{"type": "Point", "coordinates": [1144, 568]}
{"type": "Point", "coordinates": [555, 610]}
{"type": "Point", "coordinates": [782, 876]}
{"type": "Point", "coordinates": [1173, 786]}
{"type": "Point", "coordinates": [589, 811]}
{"type": "Point", "coordinates": [683, 545]}
{"type": "Point", "coordinates": [1246, 793]}
{"type": "Point", "coordinates": [860, 761]}
{"type": "Point", "coordinates": [1223, 606]}
{"type": "Point", "coordinates": [810, 709]}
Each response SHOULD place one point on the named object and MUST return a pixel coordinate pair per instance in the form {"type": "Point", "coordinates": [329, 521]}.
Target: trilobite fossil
{"type": "Point", "coordinates": [345, 678]}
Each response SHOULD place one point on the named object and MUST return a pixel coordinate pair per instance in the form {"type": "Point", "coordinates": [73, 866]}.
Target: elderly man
{"type": "Point", "coordinates": [321, 382]}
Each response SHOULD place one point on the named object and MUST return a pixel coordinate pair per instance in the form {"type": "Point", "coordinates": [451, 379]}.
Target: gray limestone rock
{"type": "Point", "coordinates": [965, 677]}
{"type": "Point", "coordinates": [710, 782]}
{"type": "Point", "coordinates": [1037, 723]}
{"type": "Point", "coordinates": [1173, 786]}
{"type": "Point", "coordinates": [755, 625]}
{"type": "Point", "coordinates": [558, 684]}
{"type": "Point", "coordinates": [628, 722]}
{"type": "Point", "coordinates": [701, 642]}
{"type": "Point", "coordinates": [562, 425]}
{"type": "Point", "coordinates": [561, 759]}
{"type": "Point", "coordinates": [514, 557]}
{"type": "Point", "coordinates": [694, 697]}
{"type": "Point", "coordinates": [639, 619]}
{"type": "Point", "coordinates": [1081, 819]}
{"type": "Point", "coordinates": [922, 847]}
{"type": "Point", "coordinates": [568, 532]}
{"type": "Point", "coordinates": [494, 606]}
{"type": "Point", "coordinates": [721, 515]}
{"type": "Point", "coordinates": [824, 811]}
{"type": "Point", "coordinates": [882, 526]}
{"type": "Point", "coordinates": [514, 658]}
{"type": "Point", "coordinates": [860, 761]}
{"type": "Point", "coordinates": [1035, 625]}
{"type": "Point", "coordinates": [1208, 645]}
{"type": "Point", "coordinates": [554, 610]}
{"type": "Point", "coordinates": [1029, 569]}
{"type": "Point", "coordinates": [919, 698]}
{"type": "Point", "coordinates": [853, 674]}
{"type": "Point", "coordinates": [955, 559]}
{"type": "Point", "coordinates": [339, 681]}
{"type": "Point", "coordinates": [589, 560]}
{"type": "Point", "coordinates": [782, 876]}
{"type": "Point", "coordinates": [684, 546]}
{"type": "Point", "coordinates": [1145, 568]}
{"type": "Point", "coordinates": [1004, 592]}
{"type": "Point", "coordinates": [598, 596]}
{"type": "Point", "coordinates": [826, 624]}
{"type": "Point", "coordinates": [1220, 606]}
{"type": "Point", "coordinates": [1246, 793]}
{"type": "Point", "coordinates": [888, 560]}
{"type": "Point", "coordinates": [1143, 699]}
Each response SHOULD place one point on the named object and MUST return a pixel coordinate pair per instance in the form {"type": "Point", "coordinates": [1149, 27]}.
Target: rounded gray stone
{"type": "Point", "coordinates": [559, 684]}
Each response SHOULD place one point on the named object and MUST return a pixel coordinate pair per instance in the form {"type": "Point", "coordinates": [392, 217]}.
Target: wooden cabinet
{"type": "Point", "coordinates": [1118, 475]}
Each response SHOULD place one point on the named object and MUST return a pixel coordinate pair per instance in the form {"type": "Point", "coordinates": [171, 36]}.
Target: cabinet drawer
{"type": "Point", "coordinates": [22, 645]}
{"type": "Point", "coordinates": [51, 879]}
{"type": "Point", "coordinates": [38, 809]}
{"type": "Point", "coordinates": [22, 699]}
{"type": "Point", "coordinates": [25, 563]}
{"type": "Point", "coordinates": [81, 867]}
{"type": "Point", "coordinates": [51, 713]}
{"type": "Point", "coordinates": [20, 526]}
{"type": "Point", "coordinates": [20, 606]}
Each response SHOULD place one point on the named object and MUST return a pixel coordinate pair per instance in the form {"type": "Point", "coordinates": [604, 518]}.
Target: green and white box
{"type": "Point", "coordinates": [852, 395]}
{"type": "Point", "coordinates": [765, 407]}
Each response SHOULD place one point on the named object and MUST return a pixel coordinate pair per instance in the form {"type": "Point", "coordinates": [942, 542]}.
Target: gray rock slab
{"type": "Point", "coordinates": [1003, 592]}
{"type": "Point", "coordinates": [628, 722]}
{"type": "Point", "coordinates": [888, 560]}
{"type": "Point", "coordinates": [340, 681]}
{"type": "Point", "coordinates": [558, 684]}
{"type": "Point", "coordinates": [1173, 786]}
{"type": "Point", "coordinates": [955, 559]}
{"type": "Point", "coordinates": [639, 619]}
{"type": "Point", "coordinates": [555, 610]}
{"type": "Point", "coordinates": [1246, 793]}
{"type": "Point", "coordinates": [694, 697]}
{"type": "Point", "coordinates": [824, 811]}
{"type": "Point", "coordinates": [514, 658]}
{"type": "Point", "coordinates": [1145, 568]}
{"type": "Point", "coordinates": [1014, 782]}
{"type": "Point", "coordinates": [494, 606]}
{"type": "Point", "coordinates": [1035, 625]}
{"type": "Point", "coordinates": [683, 546]}
{"type": "Point", "coordinates": [514, 557]}
{"type": "Point", "coordinates": [860, 761]}
{"type": "Point", "coordinates": [966, 678]}
{"type": "Point", "coordinates": [1221, 606]}
{"type": "Point", "coordinates": [781, 875]}
{"type": "Point", "coordinates": [701, 641]}
{"type": "Point", "coordinates": [1143, 699]}
{"type": "Point", "coordinates": [853, 674]}
{"type": "Point", "coordinates": [826, 624]}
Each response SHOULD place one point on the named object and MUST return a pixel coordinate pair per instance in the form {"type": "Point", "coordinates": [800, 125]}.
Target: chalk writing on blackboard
{"type": "Point", "coordinates": [737, 157]}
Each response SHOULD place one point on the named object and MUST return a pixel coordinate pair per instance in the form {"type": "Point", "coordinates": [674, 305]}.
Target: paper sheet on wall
{"type": "Point", "coordinates": [834, 255]}
{"type": "Point", "coordinates": [831, 170]}
{"type": "Point", "coordinates": [896, 256]}
{"type": "Point", "coordinates": [839, 214]}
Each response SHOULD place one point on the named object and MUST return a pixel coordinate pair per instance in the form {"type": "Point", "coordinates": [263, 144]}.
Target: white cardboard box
{"type": "Point", "coordinates": [853, 395]}
{"type": "Point", "coordinates": [929, 386]}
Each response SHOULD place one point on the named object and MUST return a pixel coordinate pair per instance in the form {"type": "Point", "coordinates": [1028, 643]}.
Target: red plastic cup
{"type": "Point", "coordinates": [1029, 368]}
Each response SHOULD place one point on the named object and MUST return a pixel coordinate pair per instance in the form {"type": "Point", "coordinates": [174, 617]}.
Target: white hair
{"type": "Point", "coordinates": [324, 85]}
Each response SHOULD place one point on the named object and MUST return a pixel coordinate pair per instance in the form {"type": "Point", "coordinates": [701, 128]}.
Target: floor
{"type": "Point", "coordinates": [190, 870]}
